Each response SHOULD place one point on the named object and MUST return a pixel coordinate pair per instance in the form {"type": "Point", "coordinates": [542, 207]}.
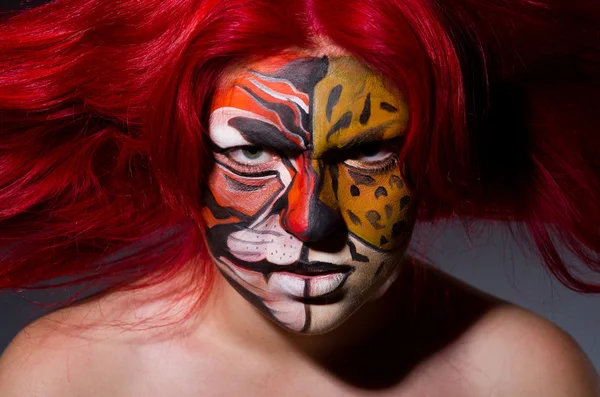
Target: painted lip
{"type": "Point", "coordinates": [309, 279]}
{"type": "Point", "coordinates": [304, 279]}
{"type": "Point", "coordinates": [308, 286]}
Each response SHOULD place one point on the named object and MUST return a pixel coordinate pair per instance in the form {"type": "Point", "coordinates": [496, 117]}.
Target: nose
{"type": "Point", "coordinates": [305, 215]}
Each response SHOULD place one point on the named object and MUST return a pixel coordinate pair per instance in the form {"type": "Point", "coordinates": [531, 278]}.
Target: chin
{"type": "Point", "coordinates": [326, 317]}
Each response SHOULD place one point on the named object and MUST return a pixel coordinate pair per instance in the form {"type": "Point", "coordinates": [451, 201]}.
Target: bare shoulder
{"type": "Point", "coordinates": [27, 357]}
{"type": "Point", "coordinates": [513, 352]}
{"type": "Point", "coordinates": [94, 347]}
{"type": "Point", "coordinates": [65, 353]}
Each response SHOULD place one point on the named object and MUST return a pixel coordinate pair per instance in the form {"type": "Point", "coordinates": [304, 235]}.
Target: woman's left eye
{"type": "Point", "coordinates": [374, 157]}
{"type": "Point", "coordinates": [373, 151]}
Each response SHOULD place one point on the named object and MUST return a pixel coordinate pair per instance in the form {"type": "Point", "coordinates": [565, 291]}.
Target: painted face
{"type": "Point", "coordinates": [306, 209]}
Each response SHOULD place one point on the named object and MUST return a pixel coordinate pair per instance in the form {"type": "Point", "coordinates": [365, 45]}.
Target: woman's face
{"type": "Point", "coordinates": [306, 210]}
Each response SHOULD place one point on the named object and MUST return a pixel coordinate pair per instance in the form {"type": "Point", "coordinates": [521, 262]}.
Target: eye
{"type": "Point", "coordinates": [373, 151]}
{"type": "Point", "coordinates": [248, 160]}
{"type": "Point", "coordinates": [250, 155]}
{"type": "Point", "coordinates": [374, 157]}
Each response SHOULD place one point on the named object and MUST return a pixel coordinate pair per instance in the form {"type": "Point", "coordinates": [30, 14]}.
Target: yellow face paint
{"type": "Point", "coordinates": [352, 105]}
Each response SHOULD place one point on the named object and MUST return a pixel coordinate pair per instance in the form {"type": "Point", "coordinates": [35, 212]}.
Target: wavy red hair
{"type": "Point", "coordinates": [103, 110]}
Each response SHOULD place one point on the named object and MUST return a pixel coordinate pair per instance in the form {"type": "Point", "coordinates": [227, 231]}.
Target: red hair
{"type": "Point", "coordinates": [103, 112]}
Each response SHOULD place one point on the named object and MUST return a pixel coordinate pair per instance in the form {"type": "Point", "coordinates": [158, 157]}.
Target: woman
{"type": "Point", "coordinates": [245, 176]}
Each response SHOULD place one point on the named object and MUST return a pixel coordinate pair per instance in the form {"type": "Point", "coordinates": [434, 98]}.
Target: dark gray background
{"type": "Point", "coordinates": [491, 260]}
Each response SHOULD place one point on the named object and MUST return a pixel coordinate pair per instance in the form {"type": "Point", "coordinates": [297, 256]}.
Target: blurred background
{"type": "Point", "coordinates": [489, 258]}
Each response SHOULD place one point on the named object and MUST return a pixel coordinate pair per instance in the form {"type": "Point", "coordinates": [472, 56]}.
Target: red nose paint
{"type": "Point", "coordinates": [296, 216]}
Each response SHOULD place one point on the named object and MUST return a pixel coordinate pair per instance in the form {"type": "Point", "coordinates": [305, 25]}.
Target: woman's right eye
{"type": "Point", "coordinates": [249, 159]}
{"type": "Point", "coordinates": [250, 155]}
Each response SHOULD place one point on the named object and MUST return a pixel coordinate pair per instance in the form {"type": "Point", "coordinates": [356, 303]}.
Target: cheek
{"type": "Point", "coordinates": [240, 195]}
{"type": "Point", "coordinates": [376, 208]}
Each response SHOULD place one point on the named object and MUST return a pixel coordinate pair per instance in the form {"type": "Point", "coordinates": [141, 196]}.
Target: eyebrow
{"type": "Point", "coordinates": [339, 153]}
{"type": "Point", "coordinates": [367, 136]}
{"type": "Point", "coordinates": [263, 134]}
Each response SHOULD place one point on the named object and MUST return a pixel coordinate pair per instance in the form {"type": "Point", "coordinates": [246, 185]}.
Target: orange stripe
{"type": "Point", "coordinates": [211, 221]}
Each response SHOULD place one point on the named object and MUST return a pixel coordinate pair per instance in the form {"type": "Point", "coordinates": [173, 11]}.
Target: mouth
{"type": "Point", "coordinates": [304, 279]}
{"type": "Point", "coordinates": [311, 284]}
{"type": "Point", "coordinates": [313, 268]}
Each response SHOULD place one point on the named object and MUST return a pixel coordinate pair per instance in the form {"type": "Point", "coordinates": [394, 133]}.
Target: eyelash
{"type": "Point", "coordinates": [383, 165]}
{"type": "Point", "coordinates": [390, 150]}
{"type": "Point", "coordinates": [226, 158]}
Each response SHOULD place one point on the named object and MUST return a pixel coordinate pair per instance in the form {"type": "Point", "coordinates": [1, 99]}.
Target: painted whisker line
{"type": "Point", "coordinates": [263, 242]}
{"type": "Point", "coordinates": [269, 232]}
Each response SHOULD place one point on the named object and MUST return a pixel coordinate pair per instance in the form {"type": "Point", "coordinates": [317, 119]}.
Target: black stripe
{"type": "Point", "coordinates": [379, 269]}
{"type": "Point", "coordinates": [332, 100]}
{"type": "Point", "coordinates": [366, 112]}
{"type": "Point", "coordinates": [387, 107]}
{"type": "Point", "coordinates": [263, 134]}
{"type": "Point", "coordinates": [343, 122]}
{"type": "Point", "coordinates": [286, 115]}
{"type": "Point", "coordinates": [334, 172]}
{"type": "Point", "coordinates": [355, 255]}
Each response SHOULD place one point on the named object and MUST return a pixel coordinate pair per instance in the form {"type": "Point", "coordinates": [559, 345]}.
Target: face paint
{"type": "Point", "coordinates": [306, 209]}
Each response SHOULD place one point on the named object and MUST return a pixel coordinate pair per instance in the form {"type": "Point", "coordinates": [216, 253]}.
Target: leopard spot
{"type": "Point", "coordinates": [404, 202]}
{"type": "Point", "coordinates": [354, 191]}
{"type": "Point", "coordinates": [395, 180]}
{"type": "Point", "coordinates": [388, 211]}
{"type": "Point", "coordinates": [355, 219]}
{"type": "Point", "coordinates": [380, 191]}
{"type": "Point", "coordinates": [373, 217]}
{"type": "Point", "coordinates": [361, 179]}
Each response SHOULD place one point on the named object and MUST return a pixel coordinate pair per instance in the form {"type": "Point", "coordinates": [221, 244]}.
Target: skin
{"type": "Point", "coordinates": [307, 211]}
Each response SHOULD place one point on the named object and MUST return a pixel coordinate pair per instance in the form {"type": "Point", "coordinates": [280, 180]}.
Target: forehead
{"type": "Point", "coordinates": [321, 102]}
